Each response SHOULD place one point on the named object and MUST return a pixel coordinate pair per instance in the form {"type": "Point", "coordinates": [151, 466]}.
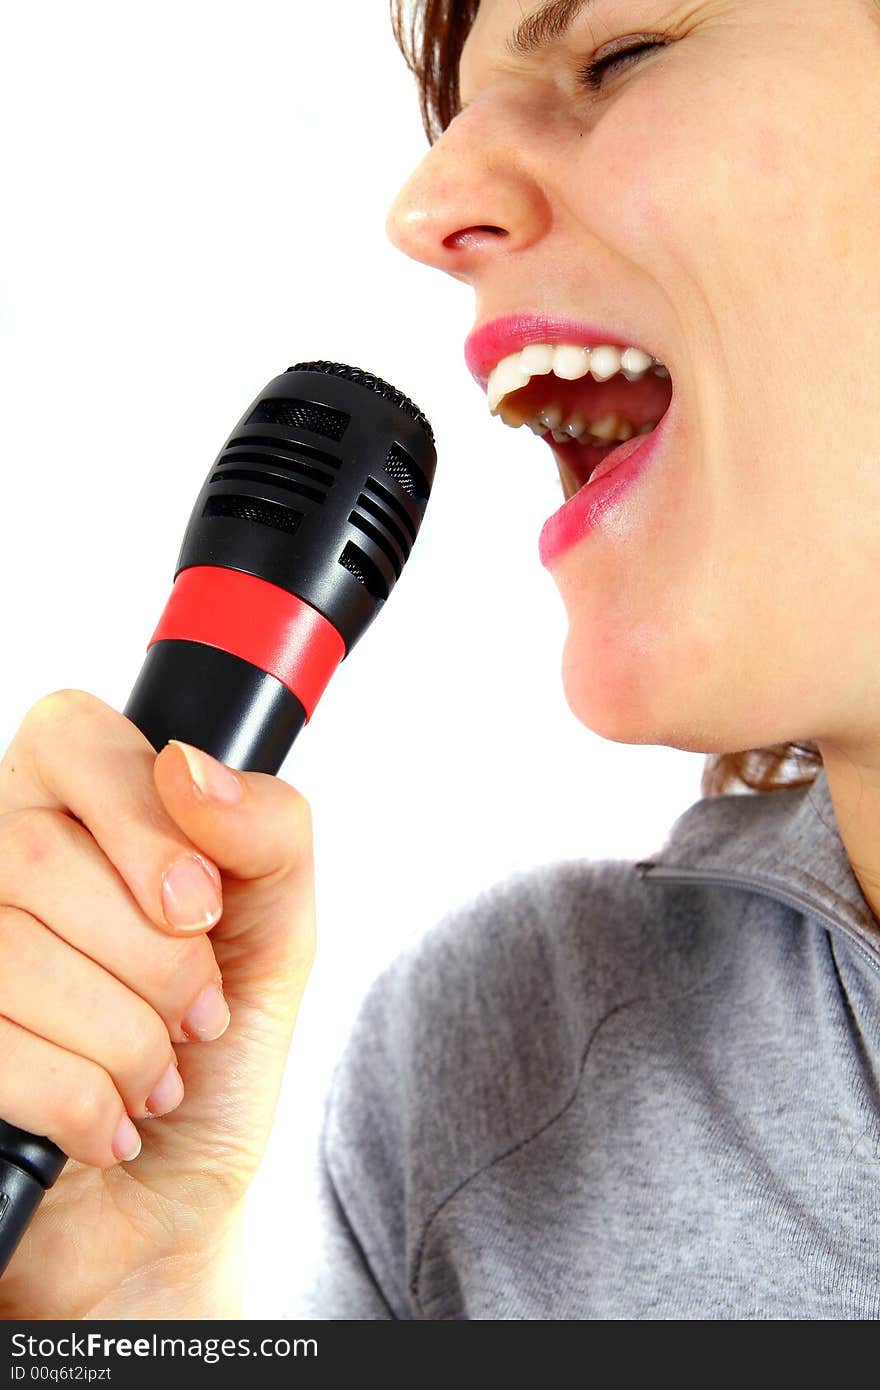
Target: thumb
{"type": "Point", "coordinates": [257, 829]}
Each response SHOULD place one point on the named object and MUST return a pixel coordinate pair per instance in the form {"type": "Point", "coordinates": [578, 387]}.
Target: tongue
{"type": "Point", "coordinates": [637, 401]}
{"type": "Point", "coordinates": [616, 456]}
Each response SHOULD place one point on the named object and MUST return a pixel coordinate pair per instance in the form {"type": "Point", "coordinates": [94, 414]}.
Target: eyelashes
{"type": "Point", "coordinates": [592, 73]}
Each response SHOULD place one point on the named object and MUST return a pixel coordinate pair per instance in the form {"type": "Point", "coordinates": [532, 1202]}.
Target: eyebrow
{"type": "Point", "coordinates": [551, 22]}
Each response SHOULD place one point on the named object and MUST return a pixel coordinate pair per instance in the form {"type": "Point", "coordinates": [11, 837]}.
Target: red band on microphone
{"type": "Point", "coordinates": [255, 620]}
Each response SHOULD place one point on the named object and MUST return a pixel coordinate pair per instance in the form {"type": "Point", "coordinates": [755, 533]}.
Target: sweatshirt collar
{"type": "Point", "coordinates": [787, 840]}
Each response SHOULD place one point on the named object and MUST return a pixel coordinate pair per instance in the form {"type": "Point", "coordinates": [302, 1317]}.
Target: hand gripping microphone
{"type": "Point", "coordinates": [297, 538]}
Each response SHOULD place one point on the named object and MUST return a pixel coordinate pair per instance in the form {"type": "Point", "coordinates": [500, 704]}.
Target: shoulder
{"type": "Point", "coordinates": [541, 955]}
{"type": "Point", "coordinates": [476, 1036]}
{"type": "Point", "coordinates": [495, 973]}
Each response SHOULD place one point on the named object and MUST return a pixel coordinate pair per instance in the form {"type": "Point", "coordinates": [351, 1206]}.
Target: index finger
{"type": "Point", "coordinates": [75, 753]}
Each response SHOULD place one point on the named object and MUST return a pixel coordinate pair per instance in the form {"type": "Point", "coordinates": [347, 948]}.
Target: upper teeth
{"type": "Point", "coordinates": [569, 362]}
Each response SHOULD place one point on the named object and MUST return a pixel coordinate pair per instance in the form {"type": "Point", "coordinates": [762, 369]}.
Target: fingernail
{"type": "Point", "coordinates": [212, 778]}
{"type": "Point", "coordinates": [126, 1142]}
{"type": "Point", "coordinates": [208, 1016]}
{"type": "Point", "coordinates": [166, 1094]}
{"type": "Point", "coordinates": [189, 895]}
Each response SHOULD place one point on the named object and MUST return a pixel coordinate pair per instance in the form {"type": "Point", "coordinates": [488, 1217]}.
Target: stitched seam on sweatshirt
{"type": "Point", "coordinates": [513, 1148]}
{"type": "Point", "coordinates": [350, 1230]}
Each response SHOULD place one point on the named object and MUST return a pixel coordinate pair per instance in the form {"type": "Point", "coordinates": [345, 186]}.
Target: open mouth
{"type": "Point", "coordinates": [584, 402]}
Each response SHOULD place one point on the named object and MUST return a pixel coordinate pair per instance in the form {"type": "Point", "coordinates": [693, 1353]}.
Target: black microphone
{"type": "Point", "coordinates": [298, 536]}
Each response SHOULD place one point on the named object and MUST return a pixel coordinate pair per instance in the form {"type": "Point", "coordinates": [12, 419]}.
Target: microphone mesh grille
{"type": "Point", "coordinates": [402, 469]}
{"type": "Point", "coordinates": [253, 509]}
{"type": "Point", "coordinates": [348, 562]}
{"type": "Point", "coordinates": [372, 383]}
{"type": "Point", "coordinates": [303, 415]}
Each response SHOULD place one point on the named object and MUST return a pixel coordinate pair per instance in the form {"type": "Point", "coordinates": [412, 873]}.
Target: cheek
{"type": "Point", "coordinates": [683, 169]}
{"type": "Point", "coordinates": [729, 196]}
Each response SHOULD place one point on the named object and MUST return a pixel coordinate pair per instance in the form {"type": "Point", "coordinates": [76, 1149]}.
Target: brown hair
{"type": "Point", "coordinates": [431, 42]}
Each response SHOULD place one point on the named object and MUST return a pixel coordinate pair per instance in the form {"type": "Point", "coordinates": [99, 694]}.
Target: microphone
{"type": "Point", "coordinates": [299, 534]}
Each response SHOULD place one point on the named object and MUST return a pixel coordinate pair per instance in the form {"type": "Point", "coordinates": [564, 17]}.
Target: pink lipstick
{"type": "Point", "coordinates": [616, 474]}
{"type": "Point", "coordinates": [486, 346]}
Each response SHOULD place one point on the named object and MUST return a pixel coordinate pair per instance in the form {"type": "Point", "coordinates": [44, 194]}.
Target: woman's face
{"type": "Point", "coordinates": [716, 201]}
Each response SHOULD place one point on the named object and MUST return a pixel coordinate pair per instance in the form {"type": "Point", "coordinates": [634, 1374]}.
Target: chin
{"type": "Point", "coordinates": [621, 693]}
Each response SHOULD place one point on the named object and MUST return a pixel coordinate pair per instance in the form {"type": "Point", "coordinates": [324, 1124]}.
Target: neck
{"type": "Point", "coordinates": [854, 784]}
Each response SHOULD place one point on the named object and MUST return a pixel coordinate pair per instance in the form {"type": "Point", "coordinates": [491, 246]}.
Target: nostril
{"type": "Point", "coordinates": [472, 236]}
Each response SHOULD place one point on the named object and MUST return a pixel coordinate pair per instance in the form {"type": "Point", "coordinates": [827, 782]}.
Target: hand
{"type": "Point", "coordinates": [108, 998]}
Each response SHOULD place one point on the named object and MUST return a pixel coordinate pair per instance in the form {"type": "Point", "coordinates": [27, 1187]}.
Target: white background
{"type": "Point", "coordinates": [195, 197]}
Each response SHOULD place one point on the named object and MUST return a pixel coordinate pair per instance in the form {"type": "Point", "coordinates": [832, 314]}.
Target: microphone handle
{"type": "Point", "coordinates": [234, 711]}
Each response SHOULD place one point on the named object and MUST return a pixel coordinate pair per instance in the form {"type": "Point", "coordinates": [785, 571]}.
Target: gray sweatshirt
{"type": "Point", "coordinates": [616, 1090]}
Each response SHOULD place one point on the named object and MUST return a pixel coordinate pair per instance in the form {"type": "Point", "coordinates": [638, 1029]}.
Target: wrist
{"type": "Point", "coordinates": [184, 1283]}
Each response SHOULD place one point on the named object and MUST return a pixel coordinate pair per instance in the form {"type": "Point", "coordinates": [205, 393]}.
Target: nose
{"type": "Point", "coordinates": [470, 200]}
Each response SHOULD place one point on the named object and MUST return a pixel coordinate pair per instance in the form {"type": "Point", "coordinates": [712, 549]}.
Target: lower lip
{"type": "Point", "coordinates": [581, 513]}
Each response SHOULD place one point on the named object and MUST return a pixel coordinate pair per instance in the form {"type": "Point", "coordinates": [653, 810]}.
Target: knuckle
{"type": "Point", "coordinates": [146, 1050]}
{"type": "Point", "coordinates": [178, 970]}
{"type": "Point", "coordinates": [58, 707]}
{"type": "Point", "coordinates": [81, 1111]}
{"type": "Point", "coordinates": [45, 722]}
{"type": "Point", "coordinates": [33, 833]}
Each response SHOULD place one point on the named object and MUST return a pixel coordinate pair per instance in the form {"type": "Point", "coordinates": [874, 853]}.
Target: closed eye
{"type": "Point", "coordinates": [592, 73]}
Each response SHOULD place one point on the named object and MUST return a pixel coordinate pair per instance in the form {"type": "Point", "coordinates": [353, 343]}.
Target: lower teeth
{"type": "Point", "coordinates": [591, 440]}
{"type": "Point", "coordinates": [612, 431]}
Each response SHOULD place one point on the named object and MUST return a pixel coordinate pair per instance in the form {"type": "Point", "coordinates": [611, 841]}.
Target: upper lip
{"type": "Point", "coordinates": [498, 338]}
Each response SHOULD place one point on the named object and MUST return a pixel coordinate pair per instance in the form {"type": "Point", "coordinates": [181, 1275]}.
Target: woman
{"type": "Point", "coordinates": [601, 1090]}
